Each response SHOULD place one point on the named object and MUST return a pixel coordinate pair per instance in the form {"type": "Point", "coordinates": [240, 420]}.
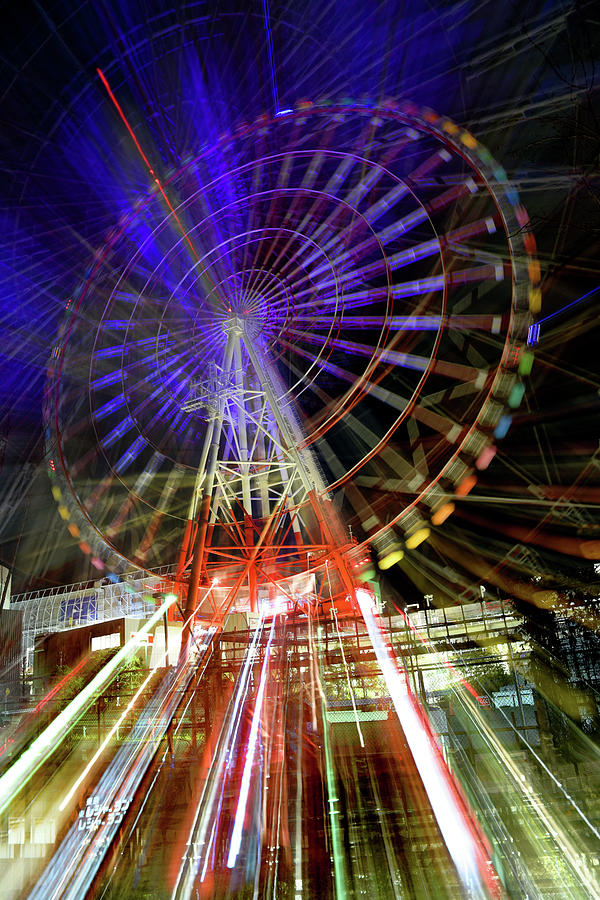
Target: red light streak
{"type": "Point", "coordinates": [138, 146]}
{"type": "Point", "coordinates": [59, 685]}
{"type": "Point", "coordinates": [465, 841]}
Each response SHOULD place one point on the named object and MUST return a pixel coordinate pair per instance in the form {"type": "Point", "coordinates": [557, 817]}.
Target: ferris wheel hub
{"type": "Point", "coordinates": [233, 325]}
{"type": "Point", "coordinates": [246, 319]}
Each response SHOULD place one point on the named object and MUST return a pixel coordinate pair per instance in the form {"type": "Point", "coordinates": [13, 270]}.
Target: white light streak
{"type": "Point", "coordinates": [107, 739]}
{"type": "Point", "coordinates": [236, 836]}
{"type": "Point", "coordinates": [28, 763]}
{"type": "Point", "coordinates": [456, 830]}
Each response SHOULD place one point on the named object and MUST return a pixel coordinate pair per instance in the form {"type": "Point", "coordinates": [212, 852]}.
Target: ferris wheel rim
{"type": "Point", "coordinates": [467, 156]}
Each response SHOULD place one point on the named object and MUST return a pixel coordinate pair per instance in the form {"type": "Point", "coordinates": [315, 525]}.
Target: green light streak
{"type": "Point", "coordinates": [31, 759]}
{"type": "Point", "coordinates": [339, 870]}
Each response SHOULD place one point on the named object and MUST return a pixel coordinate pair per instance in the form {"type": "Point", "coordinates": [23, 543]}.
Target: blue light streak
{"type": "Point", "coordinates": [271, 54]}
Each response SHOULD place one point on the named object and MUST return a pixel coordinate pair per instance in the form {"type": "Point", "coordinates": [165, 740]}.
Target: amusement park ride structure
{"type": "Point", "coordinates": [278, 350]}
{"type": "Point", "coordinates": [303, 343]}
{"type": "Point", "coordinates": [260, 524]}
{"type": "Point", "coordinates": [296, 351]}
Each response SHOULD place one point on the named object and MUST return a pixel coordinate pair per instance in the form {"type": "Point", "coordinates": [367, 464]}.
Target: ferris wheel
{"type": "Point", "coordinates": [332, 308]}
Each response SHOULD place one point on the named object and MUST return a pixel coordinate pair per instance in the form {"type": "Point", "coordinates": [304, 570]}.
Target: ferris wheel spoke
{"type": "Point", "coordinates": [310, 242]}
{"type": "Point", "coordinates": [490, 323]}
{"type": "Point", "coordinates": [117, 349]}
{"type": "Point", "coordinates": [417, 216]}
{"type": "Point", "coordinates": [373, 173]}
{"type": "Point", "coordinates": [181, 422]}
{"type": "Point", "coordinates": [385, 203]}
{"type": "Point", "coordinates": [437, 422]}
{"type": "Point", "coordinates": [101, 488]}
{"type": "Point", "coordinates": [335, 246]}
{"type": "Point", "coordinates": [290, 261]}
{"type": "Point", "coordinates": [438, 282]}
{"type": "Point", "coordinates": [442, 424]}
{"type": "Point", "coordinates": [147, 474]}
{"type": "Point", "coordinates": [391, 263]}
{"type": "Point", "coordinates": [326, 225]}
{"type": "Point", "coordinates": [110, 406]}
{"type": "Point", "coordinates": [495, 272]}
{"type": "Point", "coordinates": [328, 401]}
{"type": "Point", "coordinates": [404, 224]}
{"type": "Point", "coordinates": [129, 297]}
{"type": "Point", "coordinates": [318, 322]}
{"type": "Point", "coordinates": [368, 181]}
{"type": "Point", "coordinates": [389, 453]}
{"type": "Point", "coordinates": [165, 414]}
{"type": "Point", "coordinates": [120, 374]}
{"type": "Point", "coordinates": [314, 170]}
{"type": "Point", "coordinates": [163, 507]}
{"type": "Point", "coordinates": [362, 385]}
{"type": "Point", "coordinates": [122, 428]}
{"type": "Point", "coordinates": [83, 461]}
{"type": "Point", "coordinates": [130, 455]}
{"type": "Point", "coordinates": [260, 284]}
{"type": "Point", "coordinates": [350, 301]}
{"type": "Point", "coordinates": [334, 183]}
{"type": "Point", "coordinates": [282, 296]}
{"type": "Point", "coordinates": [451, 239]}
{"type": "Point", "coordinates": [456, 192]}
{"type": "Point", "coordinates": [429, 165]}
{"type": "Point", "coordinates": [174, 375]}
{"type": "Point", "coordinates": [254, 221]}
{"type": "Point", "coordinates": [333, 252]}
{"type": "Point", "coordinates": [327, 453]}
{"type": "Point", "coordinates": [118, 431]}
{"type": "Point", "coordinates": [122, 324]}
{"type": "Point", "coordinates": [348, 279]}
{"type": "Point", "coordinates": [104, 381]}
{"type": "Point", "coordinates": [457, 371]}
{"type": "Point", "coordinates": [295, 269]}
{"type": "Point", "coordinates": [305, 188]}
